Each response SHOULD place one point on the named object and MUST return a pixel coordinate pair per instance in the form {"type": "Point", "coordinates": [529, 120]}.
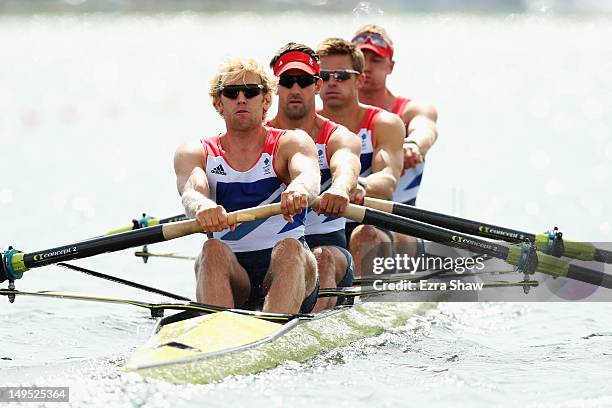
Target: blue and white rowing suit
{"type": "Point", "coordinates": [252, 242]}
{"type": "Point", "coordinates": [408, 185]}
{"type": "Point", "coordinates": [259, 185]}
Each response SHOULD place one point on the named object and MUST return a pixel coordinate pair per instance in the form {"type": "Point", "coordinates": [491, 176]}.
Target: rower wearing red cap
{"type": "Point", "coordinates": [419, 117]}
{"type": "Point", "coordinates": [381, 134]}
{"type": "Point", "coordinates": [338, 149]}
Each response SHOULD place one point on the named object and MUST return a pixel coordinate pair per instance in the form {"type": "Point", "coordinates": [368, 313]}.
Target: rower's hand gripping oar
{"type": "Point", "coordinates": [15, 263]}
{"type": "Point", "coordinates": [523, 256]}
{"type": "Point", "coordinates": [551, 242]}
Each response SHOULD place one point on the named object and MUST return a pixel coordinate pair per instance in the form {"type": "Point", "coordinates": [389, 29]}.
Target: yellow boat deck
{"type": "Point", "coordinates": [211, 347]}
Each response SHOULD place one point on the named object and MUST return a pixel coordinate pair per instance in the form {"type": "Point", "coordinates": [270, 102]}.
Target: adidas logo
{"type": "Point", "coordinates": [219, 170]}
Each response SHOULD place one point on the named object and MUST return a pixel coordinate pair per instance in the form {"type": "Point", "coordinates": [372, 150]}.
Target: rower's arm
{"type": "Point", "coordinates": [191, 181]}
{"type": "Point", "coordinates": [344, 149]}
{"type": "Point", "coordinates": [387, 161]}
{"type": "Point", "coordinates": [298, 163]}
{"type": "Point", "coordinates": [420, 119]}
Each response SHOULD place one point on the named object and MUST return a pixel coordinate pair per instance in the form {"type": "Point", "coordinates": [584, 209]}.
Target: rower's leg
{"type": "Point", "coordinates": [332, 266]}
{"type": "Point", "coordinates": [405, 244]}
{"type": "Point", "coordinates": [220, 280]}
{"type": "Point", "coordinates": [291, 277]}
{"type": "Point", "coordinates": [364, 239]}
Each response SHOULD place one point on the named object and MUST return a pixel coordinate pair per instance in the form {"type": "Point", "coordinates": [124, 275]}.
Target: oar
{"type": "Point", "coordinates": [548, 242]}
{"type": "Point", "coordinates": [15, 263]}
{"type": "Point", "coordinates": [525, 257]}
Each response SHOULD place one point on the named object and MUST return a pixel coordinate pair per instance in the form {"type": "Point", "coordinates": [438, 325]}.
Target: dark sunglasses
{"type": "Point", "coordinates": [249, 90]}
{"type": "Point", "coordinates": [338, 74]}
{"type": "Point", "coordinates": [303, 81]}
{"type": "Point", "coordinates": [375, 39]}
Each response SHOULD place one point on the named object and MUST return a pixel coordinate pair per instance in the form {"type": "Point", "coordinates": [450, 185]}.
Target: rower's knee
{"type": "Point", "coordinates": [368, 234]}
{"type": "Point", "coordinates": [215, 248]}
{"type": "Point", "coordinates": [406, 244]}
{"type": "Point", "coordinates": [215, 251]}
{"type": "Point", "coordinates": [301, 258]}
{"type": "Point", "coordinates": [287, 247]}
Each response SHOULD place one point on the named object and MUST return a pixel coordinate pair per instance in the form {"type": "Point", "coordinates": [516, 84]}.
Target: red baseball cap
{"type": "Point", "coordinates": [296, 60]}
{"type": "Point", "coordinates": [374, 43]}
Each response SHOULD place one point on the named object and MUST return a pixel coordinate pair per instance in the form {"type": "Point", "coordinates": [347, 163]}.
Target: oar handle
{"type": "Point", "coordinates": [378, 204]}
{"type": "Point", "coordinates": [252, 214]}
{"type": "Point", "coordinates": [354, 212]}
{"type": "Point", "coordinates": [180, 229]}
{"type": "Point", "coordinates": [188, 227]}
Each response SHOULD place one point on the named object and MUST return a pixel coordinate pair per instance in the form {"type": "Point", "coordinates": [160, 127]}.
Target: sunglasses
{"type": "Point", "coordinates": [249, 90]}
{"type": "Point", "coordinates": [338, 74]}
{"type": "Point", "coordinates": [303, 81]}
{"type": "Point", "coordinates": [374, 39]}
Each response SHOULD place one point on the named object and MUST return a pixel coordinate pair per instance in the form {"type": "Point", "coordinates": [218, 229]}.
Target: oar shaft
{"type": "Point", "coordinates": [512, 254]}
{"type": "Point", "coordinates": [433, 233]}
{"type": "Point", "coordinates": [588, 275]}
{"type": "Point", "coordinates": [448, 221]}
{"type": "Point", "coordinates": [577, 250]}
{"type": "Point", "coordinates": [21, 262]}
{"type": "Point", "coordinates": [602, 255]}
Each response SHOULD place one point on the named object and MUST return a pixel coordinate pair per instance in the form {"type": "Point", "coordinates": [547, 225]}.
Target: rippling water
{"type": "Point", "coordinates": [92, 107]}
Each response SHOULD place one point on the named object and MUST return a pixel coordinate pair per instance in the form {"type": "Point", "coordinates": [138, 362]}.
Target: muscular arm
{"type": "Point", "coordinates": [387, 160]}
{"type": "Point", "coordinates": [344, 150]}
{"type": "Point", "coordinates": [192, 185]}
{"type": "Point", "coordinates": [420, 120]}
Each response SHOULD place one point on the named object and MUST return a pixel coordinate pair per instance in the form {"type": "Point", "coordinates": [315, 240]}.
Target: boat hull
{"type": "Point", "coordinates": [229, 344]}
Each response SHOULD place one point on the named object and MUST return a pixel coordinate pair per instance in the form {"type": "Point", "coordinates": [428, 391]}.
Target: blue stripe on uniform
{"type": "Point", "coordinates": [415, 182]}
{"type": "Point", "coordinates": [366, 162]}
{"type": "Point", "coordinates": [236, 196]}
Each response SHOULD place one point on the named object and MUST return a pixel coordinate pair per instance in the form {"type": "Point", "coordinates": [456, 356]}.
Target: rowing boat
{"type": "Point", "coordinates": [204, 343]}
{"type": "Point", "coordinates": [188, 348]}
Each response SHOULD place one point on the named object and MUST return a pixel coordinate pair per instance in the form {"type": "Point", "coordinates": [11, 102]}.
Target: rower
{"type": "Point", "coordinates": [261, 263]}
{"type": "Point", "coordinates": [381, 134]}
{"type": "Point", "coordinates": [338, 149]}
{"type": "Point", "coordinates": [419, 119]}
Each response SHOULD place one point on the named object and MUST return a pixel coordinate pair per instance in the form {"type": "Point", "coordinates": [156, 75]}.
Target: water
{"type": "Point", "coordinates": [92, 108]}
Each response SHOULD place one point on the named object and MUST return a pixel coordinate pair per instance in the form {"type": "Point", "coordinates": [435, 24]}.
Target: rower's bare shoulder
{"type": "Point", "coordinates": [342, 137]}
{"type": "Point", "coordinates": [344, 132]}
{"type": "Point", "coordinates": [345, 137]}
{"type": "Point", "coordinates": [190, 152]}
{"type": "Point", "coordinates": [296, 139]}
{"type": "Point", "coordinates": [387, 122]}
{"type": "Point", "coordinates": [416, 108]}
